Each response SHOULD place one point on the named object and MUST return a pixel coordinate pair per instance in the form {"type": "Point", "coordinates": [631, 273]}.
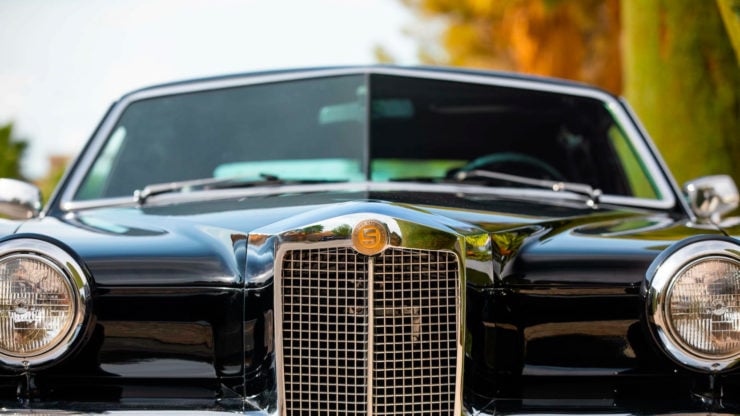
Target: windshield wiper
{"type": "Point", "coordinates": [592, 193]}
{"type": "Point", "coordinates": [141, 196]}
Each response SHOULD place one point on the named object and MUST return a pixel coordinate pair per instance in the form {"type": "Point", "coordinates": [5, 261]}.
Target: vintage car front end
{"type": "Point", "coordinates": [370, 241]}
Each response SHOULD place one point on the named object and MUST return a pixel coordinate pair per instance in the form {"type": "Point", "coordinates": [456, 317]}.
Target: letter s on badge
{"type": "Point", "coordinates": [369, 237]}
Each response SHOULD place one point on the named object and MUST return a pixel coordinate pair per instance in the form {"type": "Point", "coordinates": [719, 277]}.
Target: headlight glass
{"type": "Point", "coordinates": [692, 300]}
{"type": "Point", "coordinates": [37, 305]}
{"type": "Point", "coordinates": [704, 306]}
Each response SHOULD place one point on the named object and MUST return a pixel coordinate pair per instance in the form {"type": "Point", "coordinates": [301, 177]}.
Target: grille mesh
{"type": "Point", "coordinates": [415, 331]}
{"type": "Point", "coordinates": [326, 328]}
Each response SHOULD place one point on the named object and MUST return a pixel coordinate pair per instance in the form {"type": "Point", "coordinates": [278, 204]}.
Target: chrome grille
{"type": "Point", "coordinates": [325, 331]}
{"type": "Point", "coordinates": [415, 333]}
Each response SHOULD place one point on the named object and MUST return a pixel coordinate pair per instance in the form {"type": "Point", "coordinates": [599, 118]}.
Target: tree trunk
{"type": "Point", "coordinates": [682, 78]}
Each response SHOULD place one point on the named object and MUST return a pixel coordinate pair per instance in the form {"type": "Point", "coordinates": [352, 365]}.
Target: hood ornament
{"type": "Point", "coordinates": [370, 237]}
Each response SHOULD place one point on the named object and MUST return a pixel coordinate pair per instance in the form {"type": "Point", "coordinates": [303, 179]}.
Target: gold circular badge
{"type": "Point", "coordinates": [369, 237]}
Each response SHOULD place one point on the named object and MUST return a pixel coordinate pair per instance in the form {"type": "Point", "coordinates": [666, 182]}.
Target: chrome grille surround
{"type": "Point", "coordinates": [323, 327]}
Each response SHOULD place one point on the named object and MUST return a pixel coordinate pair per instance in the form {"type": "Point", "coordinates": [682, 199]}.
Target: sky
{"type": "Point", "coordinates": [64, 62]}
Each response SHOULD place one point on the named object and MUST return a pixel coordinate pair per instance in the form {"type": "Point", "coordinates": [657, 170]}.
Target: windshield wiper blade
{"type": "Point", "coordinates": [267, 179]}
{"type": "Point", "coordinates": [592, 193]}
{"type": "Point", "coordinates": [141, 195]}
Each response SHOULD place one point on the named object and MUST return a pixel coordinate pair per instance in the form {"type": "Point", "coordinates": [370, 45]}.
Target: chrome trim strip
{"type": "Point", "coordinates": [653, 170]}
{"type": "Point", "coordinates": [277, 327]}
{"type": "Point", "coordinates": [370, 332]}
{"type": "Point", "coordinates": [658, 158]}
{"type": "Point", "coordinates": [278, 339]}
{"type": "Point", "coordinates": [613, 104]}
{"type": "Point", "coordinates": [62, 261]}
{"type": "Point", "coordinates": [464, 190]}
{"type": "Point", "coordinates": [460, 310]}
{"type": "Point", "coordinates": [660, 278]}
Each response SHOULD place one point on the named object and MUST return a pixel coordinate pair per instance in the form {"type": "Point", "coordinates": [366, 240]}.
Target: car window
{"type": "Point", "coordinates": [639, 182]}
{"type": "Point", "coordinates": [447, 126]}
{"type": "Point", "coordinates": [220, 132]}
{"type": "Point", "coordinates": [367, 127]}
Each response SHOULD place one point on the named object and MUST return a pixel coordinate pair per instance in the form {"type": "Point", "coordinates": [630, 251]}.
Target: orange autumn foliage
{"type": "Point", "coordinates": [577, 40]}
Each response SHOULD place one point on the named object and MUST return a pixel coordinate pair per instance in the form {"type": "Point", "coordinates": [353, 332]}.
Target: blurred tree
{"type": "Point", "coordinates": [680, 64]}
{"type": "Point", "coordinates": [730, 10]}
{"type": "Point", "coordinates": [578, 40]}
{"type": "Point", "coordinates": [11, 153]}
{"type": "Point", "coordinates": [382, 56]}
{"type": "Point", "coordinates": [682, 77]}
{"type": "Point", "coordinates": [57, 166]}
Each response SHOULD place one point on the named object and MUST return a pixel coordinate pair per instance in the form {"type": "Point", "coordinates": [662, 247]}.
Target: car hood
{"type": "Point", "coordinates": [203, 242]}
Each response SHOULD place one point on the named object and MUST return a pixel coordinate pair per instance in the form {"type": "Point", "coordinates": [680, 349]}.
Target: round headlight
{"type": "Point", "coordinates": [43, 297]}
{"type": "Point", "coordinates": [694, 304]}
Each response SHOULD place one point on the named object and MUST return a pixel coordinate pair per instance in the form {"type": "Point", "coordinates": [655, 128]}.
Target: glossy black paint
{"type": "Point", "coordinates": [562, 318]}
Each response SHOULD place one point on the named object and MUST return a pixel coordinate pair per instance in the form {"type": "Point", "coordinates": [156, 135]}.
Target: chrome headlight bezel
{"type": "Point", "coordinates": [661, 278]}
{"type": "Point", "coordinates": [61, 261]}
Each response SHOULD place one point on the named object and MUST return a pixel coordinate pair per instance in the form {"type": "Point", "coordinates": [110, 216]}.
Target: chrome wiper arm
{"type": "Point", "coordinates": [592, 193]}
{"type": "Point", "coordinates": [141, 195]}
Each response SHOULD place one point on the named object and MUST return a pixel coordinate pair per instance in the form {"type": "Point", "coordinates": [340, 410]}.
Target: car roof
{"type": "Point", "coordinates": [376, 69]}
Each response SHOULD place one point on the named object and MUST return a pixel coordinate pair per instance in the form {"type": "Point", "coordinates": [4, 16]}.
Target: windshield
{"type": "Point", "coordinates": [366, 127]}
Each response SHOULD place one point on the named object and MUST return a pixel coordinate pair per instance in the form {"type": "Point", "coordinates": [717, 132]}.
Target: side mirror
{"type": "Point", "coordinates": [712, 196]}
{"type": "Point", "coordinates": [18, 199]}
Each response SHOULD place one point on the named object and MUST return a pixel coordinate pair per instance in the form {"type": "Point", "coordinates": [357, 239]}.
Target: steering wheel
{"type": "Point", "coordinates": [528, 165]}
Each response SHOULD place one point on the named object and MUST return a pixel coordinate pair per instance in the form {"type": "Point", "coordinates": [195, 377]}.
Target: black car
{"type": "Point", "coordinates": [370, 241]}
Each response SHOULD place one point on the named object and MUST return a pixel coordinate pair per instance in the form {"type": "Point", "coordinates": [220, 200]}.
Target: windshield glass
{"type": "Point", "coordinates": [366, 127]}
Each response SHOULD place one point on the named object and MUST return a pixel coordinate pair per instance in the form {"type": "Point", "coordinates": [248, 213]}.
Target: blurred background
{"type": "Point", "coordinates": [65, 61]}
